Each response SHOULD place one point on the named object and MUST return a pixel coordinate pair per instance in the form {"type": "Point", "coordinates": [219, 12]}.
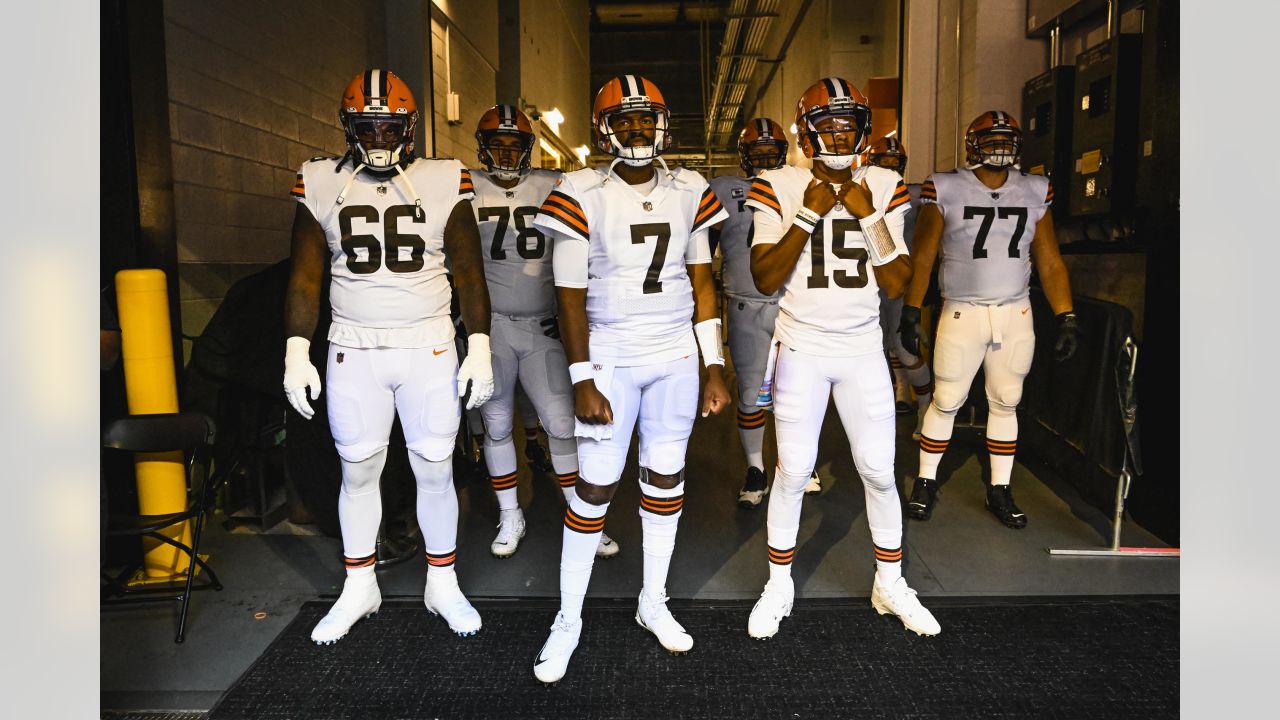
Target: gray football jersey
{"type": "Point", "coordinates": [517, 256]}
{"type": "Point", "coordinates": [735, 238]}
{"type": "Point", "coordinates": [986, 240]}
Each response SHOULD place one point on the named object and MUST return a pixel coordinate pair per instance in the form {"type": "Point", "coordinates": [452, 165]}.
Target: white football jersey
{"type": "Point", "coordinates": [987, 234]}
{"type": "Point", "coordinates": [831, 302]}
{"type": "Point", "coordinates": [517, 255]}
{"type": "Point", "coordinates": [631, 251]}
{"type": "Point", "coordinates": [387, 256]}
{"type": "Point", "coordinates": [735, 238]}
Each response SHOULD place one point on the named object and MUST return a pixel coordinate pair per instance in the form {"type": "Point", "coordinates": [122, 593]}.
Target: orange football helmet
{"type": "Point", "coordinates": [994, 140]}
{"type": "Point", "coordinates": [888, 152]}
{"type": "Point", "coordinates": [761, 133]}
{"type": "Point", "coordinates": [504, 120]}
{"type": "Point", "coordinates": [379, 115]}
{"type": "Point", "coordinates": [625, 94]}
{"type": "Point", "coordinates": [838, 100]}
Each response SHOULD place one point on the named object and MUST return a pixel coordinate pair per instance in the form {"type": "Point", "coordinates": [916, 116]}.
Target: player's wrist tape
{"type": "Point", "coordinates": [708, 334]}
{"type": "Point", "coordinates": [580, 371]}
{"type": "Point", "coordinates": [807, 219]}
{"type": "Point", "coordinates": [880, 244]}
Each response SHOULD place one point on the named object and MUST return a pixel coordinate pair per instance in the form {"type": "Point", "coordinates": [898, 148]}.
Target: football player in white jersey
{"type": "Point", "coordinates": [524, 338]}
{"type": "Point", "coordinates": [632, 264]}
{"type": "Point", "coordinates": [831, 237]}
{"type": "Point", "coordinates": [991, 222]}
{"type": "Point", "coordinates": [889, 153]}
{"type": "Point", "coordinates": [384, 221]}
{"type": "Point", "coordinates": [762, 145]}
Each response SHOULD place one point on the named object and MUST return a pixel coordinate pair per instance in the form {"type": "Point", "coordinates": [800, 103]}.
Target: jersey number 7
{"type": "Point", "coordinates": [988, 215]}
{"type": "Point", "coordinates": [642, 232]}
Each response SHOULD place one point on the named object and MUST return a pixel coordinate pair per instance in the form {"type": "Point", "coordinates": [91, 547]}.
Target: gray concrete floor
{"type": "Point", "coordinates": [720, 554]}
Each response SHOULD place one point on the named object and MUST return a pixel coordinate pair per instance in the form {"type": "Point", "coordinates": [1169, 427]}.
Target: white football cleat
{"type": "Point", "coordinates": [774, 604]}
{"type": "Point", "coordinates": [607, 548]}
{"type": "Point", "coordinates": [653, 615]}
{"type": "Point", "coordinates": [510, 530]}
{"type": "Point", "coordinates": [443, 597]}
{"type": "Point", "coordinates": [900, 600]}
{"type": "Point", "coordinates": [814, 486]}
{"type": "Point", "coordinates": [553, 658]}
{"type": "Point", "coordinates": [360, 598]}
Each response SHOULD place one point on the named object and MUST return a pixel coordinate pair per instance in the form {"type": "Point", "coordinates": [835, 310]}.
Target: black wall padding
{"type": "Point", "coordinates": [1073, 417]}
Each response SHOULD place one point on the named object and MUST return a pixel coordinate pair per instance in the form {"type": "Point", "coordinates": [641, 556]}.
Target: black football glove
{"type": "Point", "coordinates": [1069, 336]}
{"type": "Point", "coordinates": [909, 330]}
{"type": "Point", "coordinates": [551, 327]}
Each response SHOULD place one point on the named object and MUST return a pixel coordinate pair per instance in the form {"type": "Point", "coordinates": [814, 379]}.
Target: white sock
{"type": "Point", "coordinates": [564, 460]}
{"type": "Point", "coordinates": [935, 435]}
{"type": "Point", "coordinates": [360, 511]}
{"type": "Point", "coordinates": [751, 430]}
{"type": "Point", "coordinates": [660, 510]}
{"type": "Point", "coordinates": [583, 523]}
{"type": "Point", "coordinates": [437, 509]}
{"type": "Point", "coordinates": [1002, 441]}
{"type": "Point", "coordinates": [500, 457]}
{"type": "Point", "coordinates": [884, 516]}
{"type": "Point", "coordinates": [783, 522]}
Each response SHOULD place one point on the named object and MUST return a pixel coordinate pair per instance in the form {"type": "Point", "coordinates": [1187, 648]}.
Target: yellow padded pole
{"type": "Point", "coordinates": [150, 386]}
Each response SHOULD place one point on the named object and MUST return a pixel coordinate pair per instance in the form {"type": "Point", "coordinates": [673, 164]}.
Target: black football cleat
{"type": "Point", "coordinates": [753, 489]}
{"type": "Point", "coordinates": [1000, 503]}
{"type": "Point", "coordinates": [923, 497]}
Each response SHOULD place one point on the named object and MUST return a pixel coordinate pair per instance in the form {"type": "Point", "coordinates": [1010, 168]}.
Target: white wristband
{"type": "Point", "coordinates": [580, 371]}
{"type": "Point", "coordinates": [806, 219]}
{"type": "Point", "coordinates": [708, 334]}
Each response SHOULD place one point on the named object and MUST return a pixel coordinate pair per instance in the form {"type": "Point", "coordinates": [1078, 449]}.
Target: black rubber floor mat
{"type": "Point", "coordinates": [1098, 658]}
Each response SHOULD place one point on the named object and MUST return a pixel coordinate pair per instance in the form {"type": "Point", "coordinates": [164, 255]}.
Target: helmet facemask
{"type": "Point", "coordinates": [762, 154]}
{"type": "Point", "coordinates": [505, 161]}
{"type": "Point", "coordinates": [648, 121]}
{"type": "Point", "coordinates": [995, 148]}
{"type": "Point", "coordinates": [380, 141]}
{"type": "Point", "coordinates": [831, 145]}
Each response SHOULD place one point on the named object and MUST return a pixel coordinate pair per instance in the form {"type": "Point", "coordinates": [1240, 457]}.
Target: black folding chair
{"type": "Point", "coordinates": [193, 433]}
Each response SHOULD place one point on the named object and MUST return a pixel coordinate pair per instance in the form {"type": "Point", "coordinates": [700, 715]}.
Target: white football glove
{"type": "Point", "coordinates": [300, 375]}
{"type": "Point", "coordinates": [478, 368]}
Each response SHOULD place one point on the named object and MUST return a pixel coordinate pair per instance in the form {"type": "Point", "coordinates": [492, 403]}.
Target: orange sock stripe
{"type": "Point", "coordinates": [359, 562]}
{"type": "Point", "coordinates": [506, 482]}
{"type": "Point", "coordinates": [888, 554]}
{"type": "Point", "coordinates": [568, 479]}
{"type": "Point", "coordinates": [442, 560]}
{"type": "Point", "coordinates": [751, 424]}
{"type": "Point", "coordinates": [930, 445]}
{"type": "Point", "coordinates": [1001, 447]}
{"type": "Point", "coordinates": [577, 523]}
{"type": "Point", "coordinates": [781, 557]}
{"type": "Point", "coordinates": [662, 506]}
{"type": "Point", "coordinates": [923, 389]}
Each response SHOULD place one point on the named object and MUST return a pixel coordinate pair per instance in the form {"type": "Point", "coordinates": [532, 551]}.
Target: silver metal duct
{"type": "Point", "coordinates": [747, 25]}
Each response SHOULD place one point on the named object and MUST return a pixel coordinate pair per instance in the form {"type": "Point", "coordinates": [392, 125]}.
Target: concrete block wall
{"type": "Point", "coordinates": [254, 90]}
{"type": "Point", "coordinates": [471, 65]}
{"type": "Point", "coordinates": [555, 64]}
